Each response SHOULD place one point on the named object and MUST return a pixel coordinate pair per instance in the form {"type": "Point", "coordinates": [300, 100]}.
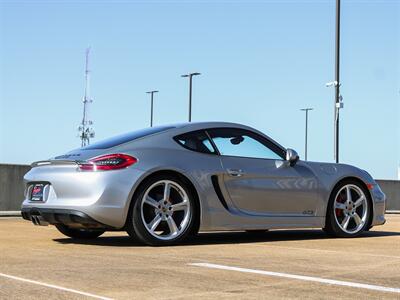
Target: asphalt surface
{"type": "Point", "coordinates": [116, 267]}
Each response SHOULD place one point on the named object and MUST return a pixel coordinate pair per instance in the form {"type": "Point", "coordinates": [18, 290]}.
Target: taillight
{"type": "Point", "coordinates": [108, 162]}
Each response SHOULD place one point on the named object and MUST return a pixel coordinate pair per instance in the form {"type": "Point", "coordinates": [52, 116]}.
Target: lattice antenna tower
{"type": "Point", "coordinates": [85, 128]}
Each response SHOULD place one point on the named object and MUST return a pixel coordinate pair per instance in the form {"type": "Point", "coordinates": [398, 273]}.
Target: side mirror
{"type": "Point", "coordinates": [292, 157]}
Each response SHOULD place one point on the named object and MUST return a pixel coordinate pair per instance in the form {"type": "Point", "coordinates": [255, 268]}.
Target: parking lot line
{"type": "Point", "coordinates": [300, 277]}
{"type": "Point", "coordinates": [331, 251]}
{"type": "Point", "coordinates": [54, 286]}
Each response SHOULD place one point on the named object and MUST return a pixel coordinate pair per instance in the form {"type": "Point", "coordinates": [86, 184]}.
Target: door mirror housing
{"type": "Point", "coordinates": [292, 157]}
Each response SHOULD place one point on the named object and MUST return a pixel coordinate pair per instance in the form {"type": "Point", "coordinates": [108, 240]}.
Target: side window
{"type": "Point", "coordinates": [197, 141]}
{"type": "Point", "coordinates": [244, 143]}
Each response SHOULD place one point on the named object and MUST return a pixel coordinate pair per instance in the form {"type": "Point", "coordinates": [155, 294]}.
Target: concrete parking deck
{"type": "Point", "coordinates": [40, 263]}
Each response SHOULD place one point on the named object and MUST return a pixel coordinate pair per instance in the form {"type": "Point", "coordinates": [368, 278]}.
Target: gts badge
{"type": "Point", "coordinates": [308, 212]}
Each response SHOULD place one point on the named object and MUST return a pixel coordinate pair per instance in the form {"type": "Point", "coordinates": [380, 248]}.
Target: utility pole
{"type": "Point", "coordinates": [337, 73]}
{"type": "Point", "coordinates": [336, 84]}
{"type": "Point", "coordinates": [190, 75]}
{"type": "Point", "coordinates": [151, 110]}
{"type": "Point", "coordinates": [306, 135]}
{"type": "Point", "coordinates": [85, 129]}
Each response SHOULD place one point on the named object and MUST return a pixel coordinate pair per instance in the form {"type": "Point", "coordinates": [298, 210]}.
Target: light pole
{"type": "Point", "coordinates": [336, 83]}
{"type": "Point", "coordinates": [190, 75]}
{"type": "Point", "coordinates": [151, 110]}
{"type": "Point", "coordinates": [337, 88]}
{"type": "Point", "coordinates": [306, 136]}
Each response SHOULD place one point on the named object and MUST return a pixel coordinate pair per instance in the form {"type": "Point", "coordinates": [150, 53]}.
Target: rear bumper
{"type": "Point", "coordinates": [72, 218]}
{"type": "Point", "coordinates": [101, 196]}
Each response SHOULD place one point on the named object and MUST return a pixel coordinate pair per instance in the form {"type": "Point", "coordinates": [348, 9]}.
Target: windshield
{"type": "Point", "coordinates": [127, 137]}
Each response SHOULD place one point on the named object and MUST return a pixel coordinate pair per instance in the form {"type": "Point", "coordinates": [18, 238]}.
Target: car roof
{"type": "Point", "coordinates": [199, 125]}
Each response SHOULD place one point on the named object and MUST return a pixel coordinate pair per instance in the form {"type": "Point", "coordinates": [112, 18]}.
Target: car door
{"type": "Point", "coordinates": [257, 178]}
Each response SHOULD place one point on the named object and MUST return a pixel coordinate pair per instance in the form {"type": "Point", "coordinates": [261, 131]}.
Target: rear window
{"type": "Point", "coordinates": [127, 137]}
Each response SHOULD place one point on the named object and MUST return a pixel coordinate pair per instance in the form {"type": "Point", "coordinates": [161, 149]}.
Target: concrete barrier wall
{"type": "Point", "coordinates": [12, 188]}
{"type": "Point", "coordinates": [391, 188]}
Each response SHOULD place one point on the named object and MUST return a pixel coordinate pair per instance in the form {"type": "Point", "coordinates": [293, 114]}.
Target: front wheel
{"type": "Point", "coordinates": [349, 210]}
{"type": "Point", "coordinates": [77, 233]}
{"type": "Point", "coordinates": [163, 212]}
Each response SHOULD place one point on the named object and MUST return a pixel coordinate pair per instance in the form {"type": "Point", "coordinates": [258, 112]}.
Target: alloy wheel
{"type": "Point", "coordinates": [350, 208]}
{"type": "Point", "coordinates": [165, 210]}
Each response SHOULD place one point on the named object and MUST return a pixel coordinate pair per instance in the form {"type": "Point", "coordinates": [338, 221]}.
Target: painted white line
{"type": "Point", "coordinates": [301, 277]}
{"type": "Point", "coordinates": [331, 251]}
{"type": "Point", "coordinates": [54, 286]}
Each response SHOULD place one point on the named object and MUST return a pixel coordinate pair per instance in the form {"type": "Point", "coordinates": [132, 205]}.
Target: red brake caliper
{"type": "Point", "coordinates": [338, 211]}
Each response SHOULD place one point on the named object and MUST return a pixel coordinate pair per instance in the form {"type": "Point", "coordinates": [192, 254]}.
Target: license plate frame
{"type": "Point", "coordinates": [37, 192]}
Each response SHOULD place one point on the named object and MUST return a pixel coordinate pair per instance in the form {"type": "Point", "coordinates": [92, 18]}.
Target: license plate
{"type": "Point", "coordinates": [37, 192]}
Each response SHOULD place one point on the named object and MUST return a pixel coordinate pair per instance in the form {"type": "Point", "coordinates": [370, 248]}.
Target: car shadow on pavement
{"type": "Point", "coordinates": [225, 238]}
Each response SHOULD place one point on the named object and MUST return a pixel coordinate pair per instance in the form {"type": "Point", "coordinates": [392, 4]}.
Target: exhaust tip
{"type": "Point", "coordinates": [39, 220]}
{"type": "Point", "coordinates": [34, 220]}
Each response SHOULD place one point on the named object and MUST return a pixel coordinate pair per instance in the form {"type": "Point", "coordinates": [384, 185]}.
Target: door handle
{"type": "Point", "coordinates": [235, 172]}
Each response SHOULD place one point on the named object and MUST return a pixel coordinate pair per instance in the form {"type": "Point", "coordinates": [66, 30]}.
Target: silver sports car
{"type": "Point", "coordinates": [162, 184]}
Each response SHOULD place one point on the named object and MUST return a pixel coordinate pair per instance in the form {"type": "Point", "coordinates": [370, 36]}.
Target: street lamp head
{"type": "Point", "coordinates": [306, 109]}
{"type": "Point", "coordinates": [332, 83]}
{"type": "Point", "coordinates": [191, 74]}
{"type": "Point", "coordinates": [151, 92]}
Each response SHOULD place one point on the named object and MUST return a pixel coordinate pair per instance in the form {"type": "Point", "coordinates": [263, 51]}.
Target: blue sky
{"type": "Point", "coordinates": [261, 61]}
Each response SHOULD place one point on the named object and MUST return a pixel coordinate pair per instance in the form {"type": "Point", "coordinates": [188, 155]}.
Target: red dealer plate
{"type": "Point", "coordinates": [37, 192]}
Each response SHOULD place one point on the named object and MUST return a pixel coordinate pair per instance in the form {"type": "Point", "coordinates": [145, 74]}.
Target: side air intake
{"type": "Point", "coordinates": [215, 183]}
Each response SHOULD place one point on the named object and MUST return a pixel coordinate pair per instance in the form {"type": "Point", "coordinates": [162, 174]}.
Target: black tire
{"type": "Point", "coordinates": [135, 224]}
{"type": "Point", "coordinates": [332, 227]}
{"type": "Point", "coordinates": [76, 233]}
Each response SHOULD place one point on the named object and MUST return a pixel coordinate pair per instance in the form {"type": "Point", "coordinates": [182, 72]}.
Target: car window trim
{"type": "Point", "coordinates": [212, 143]}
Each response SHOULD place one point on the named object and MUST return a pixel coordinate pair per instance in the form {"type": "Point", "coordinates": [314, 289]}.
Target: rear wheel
{"type": "Point", "coordinates": [349, 210]}
{"type": "Point", "coordinates": [78, 233]}
{"type": "Point", "coordinates": [163, 212]}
